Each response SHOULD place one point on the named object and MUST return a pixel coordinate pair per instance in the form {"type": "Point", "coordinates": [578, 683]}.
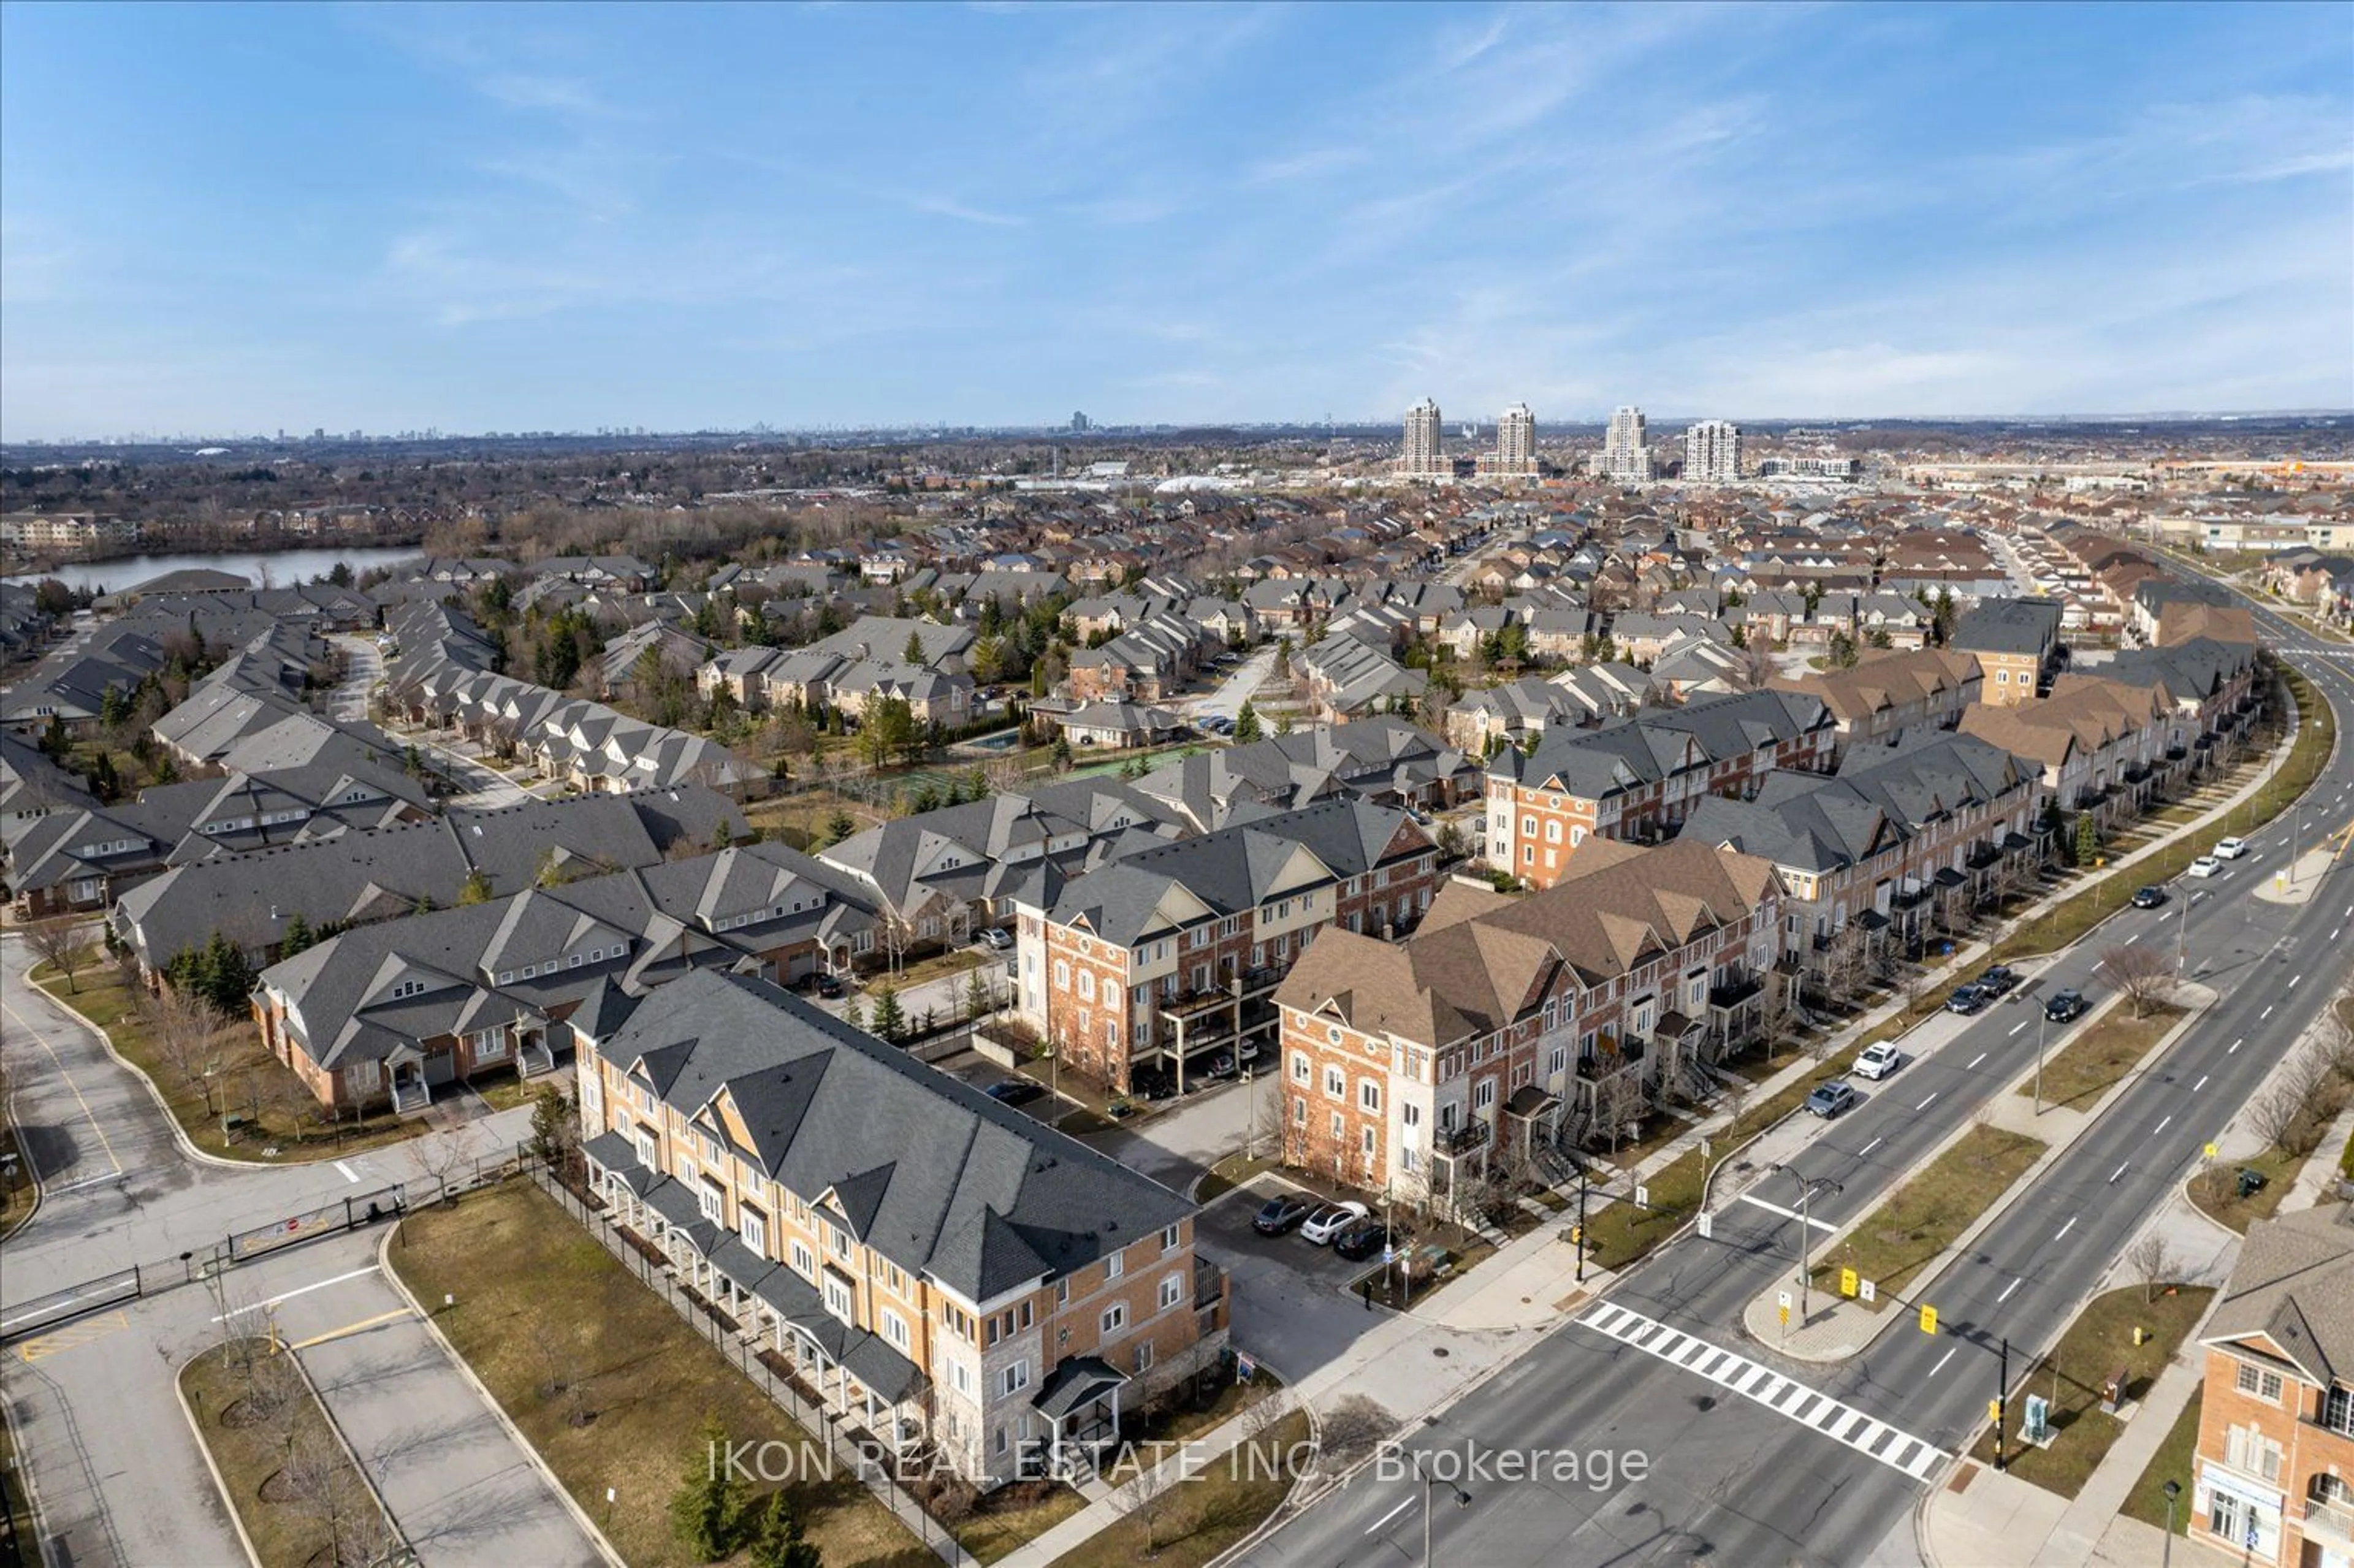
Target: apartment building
{"type": "Point", "coordinates": [1422, 453]}
{"type": "Point", "coordinates": [1505, 1029]}
{"type": "Point", "coordinates": [1626, 448]}
{"type": "Point", "coordinates": [1163, 958]}
{"type": "Point", "coordinates": [1640, 777]}
{"type": "Point", "coordinates": [1904, 836]}
{"type": "Point", "coordinates": [1885, 693]}
{"type": "Point", "coordinates": [2101, 744]}
{"type": "Point", "coordinates": [942, 1270]}
{"type": "Point", "coordinates": [2017, 641]}
{"type": "Point", "coordinates": [2273, 1479]}
{"type": "Point", "coordinates": [1515, 456]}
{"type": "Point", "coordinates": [1713, 452]}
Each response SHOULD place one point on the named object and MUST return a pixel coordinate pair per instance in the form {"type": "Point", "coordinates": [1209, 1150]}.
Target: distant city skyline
{"type": "Point", "coordinates": [227, 220]}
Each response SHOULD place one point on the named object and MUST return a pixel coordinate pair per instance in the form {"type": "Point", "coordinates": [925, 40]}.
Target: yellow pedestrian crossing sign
{"type": "Point", "coordinates": [1928, 1319]}
{"type": "Point", "coordinates": [1848, 1282]}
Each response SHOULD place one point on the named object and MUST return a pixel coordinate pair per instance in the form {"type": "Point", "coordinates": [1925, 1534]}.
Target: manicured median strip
{"type": "Point", "coordinates": [1195, 1520]}
{"type": "Point", "coordinates": [606, 1382]}
{"type": "Point", "coordinates": [2097, 1346]}
{"type": "Point", "coordinates": [1913, 1228]}
{"type": "Point", "coordinates": [2087, 1066]}
{"type": "Point", "coordinates": [294, 1487]}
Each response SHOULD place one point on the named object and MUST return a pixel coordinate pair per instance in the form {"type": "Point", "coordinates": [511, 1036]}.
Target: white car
{"type": "Point", "coordinates": [2230, 849]}
{"type": "Point", "coordinates": [1321, 1227]}
{"type": "Point", "coordinates": [2206, 865]}
{"type": "Point", "coordinates": [1877, 1060]}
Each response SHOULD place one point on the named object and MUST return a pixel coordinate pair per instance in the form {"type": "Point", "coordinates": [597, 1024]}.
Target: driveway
{"type": "Point", "coordinates": [1292, 1306]}
{"type": "Point", "coordinates": [1227, 700]}
{"type": "Point", "coordinates": [364, 666]}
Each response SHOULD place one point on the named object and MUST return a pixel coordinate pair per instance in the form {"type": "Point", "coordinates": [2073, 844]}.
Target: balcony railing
{"type": "Point", "coordinates": [1459, 1140]}
{"type": "Point", "coordinates": [2329, 1523]}
{"type": "Point", "coordinates": [1735, 993]}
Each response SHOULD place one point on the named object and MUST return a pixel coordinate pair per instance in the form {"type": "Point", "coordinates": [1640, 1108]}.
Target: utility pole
{"type": "Point", "coordinates": [2042, 1025]}
{"type": "Point", "coordinates": [1579, 1235]}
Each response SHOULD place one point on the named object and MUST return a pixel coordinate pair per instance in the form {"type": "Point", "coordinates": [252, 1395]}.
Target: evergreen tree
{"type": "Point", "coordinates": [2088, 838]}
{"type": "Point", "coordinates": [296, 937]}
{"type": "Point", "coordinates": [780, 1543]}
{"type": "Point", "coordinates": [707, 1508]}
{"type": "Point", "coordinates": [889, 1022]}
{"type": "Point", "coordinates": [839, 826]}
{"type": "Point", "coordinates": [913, 653]}
{"type": "Point", "coordinates": [1246, 727]}
{"type": "Point", "coordinates": [976, 998]}
{"type": "Point", "coordinates": [476, 889]}
{"type": "Point", "coordinates": [113, 707]}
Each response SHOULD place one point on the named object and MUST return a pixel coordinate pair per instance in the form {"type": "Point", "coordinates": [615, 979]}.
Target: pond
{"type": "Point", "coordinates": [284, 568]}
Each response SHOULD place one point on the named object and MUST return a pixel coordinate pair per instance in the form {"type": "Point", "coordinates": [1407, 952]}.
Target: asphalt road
{"type": "Point", "coordinates": [1753, 1460]}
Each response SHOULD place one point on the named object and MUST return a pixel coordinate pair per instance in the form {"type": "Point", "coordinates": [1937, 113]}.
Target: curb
{"type": "Point", "coordinates": [40, 1191]}
{"type": "Point", "coordinates": [382, 1507]}
{"type": "Point", "coordinates": [1927, 1278]}
{"type": "Point", "coordinates": [235, 1519]}
{"type": "Point", "coordinates": [506, 1423]}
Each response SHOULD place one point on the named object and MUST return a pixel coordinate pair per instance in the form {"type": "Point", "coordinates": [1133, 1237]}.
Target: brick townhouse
{"type": "Point", "coordinates": [1885, 693]}
{"type": "Point", "coordinates": [2017, 641]}
{"type": "Point", "coordinates": [1507, 1028]}
{"type": "Point", "coordinates": [2273, 1478]}
{"type": "Point", "coordinates": [954, 1276]}
{"type": "Point", "coordinates": [2100, 743]}
{"type": "Point", "coordinates": [1641, 777]}
{"type": "Point", "coordinates": [1899, 837]}
{"type": "Point", "coordinates": [1164, 958]}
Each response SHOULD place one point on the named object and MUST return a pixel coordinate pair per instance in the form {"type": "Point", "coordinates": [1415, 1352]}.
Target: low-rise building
{"type": "Point", "coordinates": [945, 1271]}
{"type": "Point", "coordinates": [2017, 641]}
{"type": "Point", "coordinates": [1884, 693]}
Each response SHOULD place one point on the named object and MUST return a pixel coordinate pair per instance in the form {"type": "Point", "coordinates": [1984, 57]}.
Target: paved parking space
{"type": "Point", "coordinates": [1293, 1309]}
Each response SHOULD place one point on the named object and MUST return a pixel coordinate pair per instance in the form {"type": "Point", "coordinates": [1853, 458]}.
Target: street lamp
{"type": "Point", "coordinates": [1807, 1188]}
{"type": "Point", "coordinates": [2173, 1490]}
{"type": "Point", "coordinates": [1430, 1484]}
{"type": "Point", "coordinates": [2042, 1026]}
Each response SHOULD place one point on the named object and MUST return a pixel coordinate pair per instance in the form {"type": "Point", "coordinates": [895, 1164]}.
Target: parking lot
{"type": "Point", "coordinates": [1292, 1302]}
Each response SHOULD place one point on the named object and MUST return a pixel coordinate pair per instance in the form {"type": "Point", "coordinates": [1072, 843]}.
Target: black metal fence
{"type": "Point", "coordinates": [870, 1462]}
{"type": "Point", "coordinates": [202, 1263]}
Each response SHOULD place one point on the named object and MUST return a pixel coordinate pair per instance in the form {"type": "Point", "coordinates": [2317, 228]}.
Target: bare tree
{"type": "Point", "coordinates": [2152, 1262]}
{"type": "Point", "coordinates": [326, 1488]}
{"type": "Point", "coordinates": [186, 1032]}
{"type": "Point", "coordinates": [65, 944]}
{"type": "Point", "coordinates": [2141, 973]}
{"type": "Point", "coordinates": [1352, 1429]}
{"type": "Point", "coordinates": [2291, 1114]}
{"type": "Point", "coordinates": [440, 1155]}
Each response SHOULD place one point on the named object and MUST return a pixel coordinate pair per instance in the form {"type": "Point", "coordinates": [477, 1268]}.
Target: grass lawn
{"type": "Point", "coordinates": [293, 1486]}
{"type": "Point", "coordinates": [247, 1079]}
{"type": "Point", "coordinates": [1203, 1517]}
{"type": "Point", "coordinates": [2096, 1346]}
{"type": "Point", "coordinates": [1619, 1234]}
{"type": "Point", "coordinates": [931, 969]}
{"type": "Point", "coordinates": [1920, 1220]}
{"type": "Point", "coordinates": [641, 1380]}
{"type": "Point", "coordinates": [2215, 1191]}
{"type": "Point", "coordinates": [2172, 1462]}
{"type": "Point", "coordinates": [1390, 1291]}
{"type": "Point", "coordinates": [2077, 1074]}
{"type": "Point", "coordinates": [1231, 1173]}
{"type": "Point", "coordinates": [1013, 1516]}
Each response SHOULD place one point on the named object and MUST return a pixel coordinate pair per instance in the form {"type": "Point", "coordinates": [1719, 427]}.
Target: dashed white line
{"type": "Point", "coordinates": [2018, 1026]}
{"type": "Point", "coordinates": [2114, 1174]}
{"type": "Point", "coordinates": [2268, 1012]}
{"type": "Point", "coordinates": [2161, 1124]}
{"type": "Point", "coordinates": [349, 1174]}
{"type": "Point", "coordinates": [2200, 1085]}
{"type": "Point", "coordinates": [1943, 1360]}
{"type": "Point", "coordinates": [1925, 1104]}
{"type": "Point", "coordinates": [2237, 1043]}
{"type": "Point", "coordinates": [290, 1295]}
{"type": "Point", "coordinates": [2066, 1228]}
{"type": "Point", "coordinates": [2006, 1293]}
{"type": "Point", "coordinates": [2291, 985]}
{"type": "Point", "coordinates": [1976, 1060]}
{"type": "Point", "coordinates": [1870, 1147]}
{"type": "Point", "coordinates": [1378, 1523]}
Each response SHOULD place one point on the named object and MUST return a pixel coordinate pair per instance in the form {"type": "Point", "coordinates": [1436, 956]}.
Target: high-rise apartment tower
{"type": "Point", "coordinates": [1713, 452]}
{"type": "Point", "coordinates": [1625, 453]}
{"type": "Point", "coordinates": [1422, 453]}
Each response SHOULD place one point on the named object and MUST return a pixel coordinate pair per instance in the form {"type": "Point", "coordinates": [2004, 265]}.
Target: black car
{"type": "Point", "coordinates": [1282, 1215]}
{"type": "Point", "coordinates": [2149, 898]}
{"type": "Point", "coordinates": [827, 986]}
{"type": "Point", "coordinates": [1015, 1091]}
{"type": "Point", "coordinates": [1967, 999]}
{"type": "Point", "coordinates": [2065, 1006]}
{"type": "Point", "coordinates": [1152, 1085]}
{"type": "Point", "coordinates": [1362, 1240]}
{"type": "Point", "coordinates": [1999, 980]}
{"type": "Point", "coordinates": [1223, 1065]}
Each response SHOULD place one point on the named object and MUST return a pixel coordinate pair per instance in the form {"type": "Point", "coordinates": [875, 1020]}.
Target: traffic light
{"type": "Point", "coordinates": [1578, 1236]}
{"type": "Point", "coordinates": [1928, 1319]}
{"type": "Point", "coordinates": [1994, 1411]}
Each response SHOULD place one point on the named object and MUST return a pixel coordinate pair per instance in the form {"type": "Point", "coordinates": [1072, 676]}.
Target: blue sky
{"type": "Point", "coordinates": [238, 219]}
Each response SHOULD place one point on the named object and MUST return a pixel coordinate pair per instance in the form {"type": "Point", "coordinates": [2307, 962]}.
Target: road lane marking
{"type": "Point", "coordinates": [349, 1174]}
{"type": "Point", "coordinates": [298, 1290]}
{"type": "Point", "coordinates": [2006, 1293]}
{"type": "Point", "coordinates": [2114, 1174]}
{"type": "Point", "coordinates": [2066, 1228]}
{"type": "Point", "coordinates": [1384, 1520]}
{"type": "Point", "coordinates": [2018, 1026]}
{"type": "Point", "coordinates": [1925, 1104]}
{"type": "Point", "coordinates": [72, 1337]}
{"type": "Point", "coordinates": [349, 1328]}
{"type": "Point", "coordinates": [1786, 1214]}
{"type": "Point", "coordinates": [1867, 1435]}
{"type": "Point", "coordinates": [1870, 1147]}
{"type": "Point", "coordinates": [1943, 1360]}
{"type": "Point", "coordinates": [2161, 1124]}
{"type": "Point", "coordinates": [2291, 985]}
{"type": "Point", "coordinates": [2200, 1085]}
{"type": "Point", "coordinates": [2268, 1012]}
{"type": "Point", "coordinates": [2243, 1040]}
{"type": "Point", "coordinates": [1976, 1060]}
{"type": "Point", "coordinates": [71, 1087]}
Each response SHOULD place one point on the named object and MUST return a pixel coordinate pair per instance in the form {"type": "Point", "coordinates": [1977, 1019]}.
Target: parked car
{"type": "Point", "coordinates": [1363, 1240]}
{"type": "Point", "coordinates": [1829, 1099]}
{"type": "Point", "coordinates": [828, 985]}
{"type": "Point", "coordinates": [1015, 1091]}
{"type": "Point", "coordinates": [1330, 1221]}
{"type": "Point", "coordinates": [2065, 1006]}
{"type": "Point", "coordinates": [2206, 865]}
{"type": "Point", "coordinates": [1877, 1060]}
{"type": "Point", "coordinates": [2149, 898]}
{"type": "Point", "coordinates": [1999, 980]}
{"type": "Point", "coordinates": [2230, 849]}
{"type": "Point", "coordinates": [997, 938]}
{"type": "Point", "coordinates": [1282, 1215]}
{"type": "Point", "coordinates": [1224, 1065]}
{"type": "Point", "coordinates": [1968, 999]}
